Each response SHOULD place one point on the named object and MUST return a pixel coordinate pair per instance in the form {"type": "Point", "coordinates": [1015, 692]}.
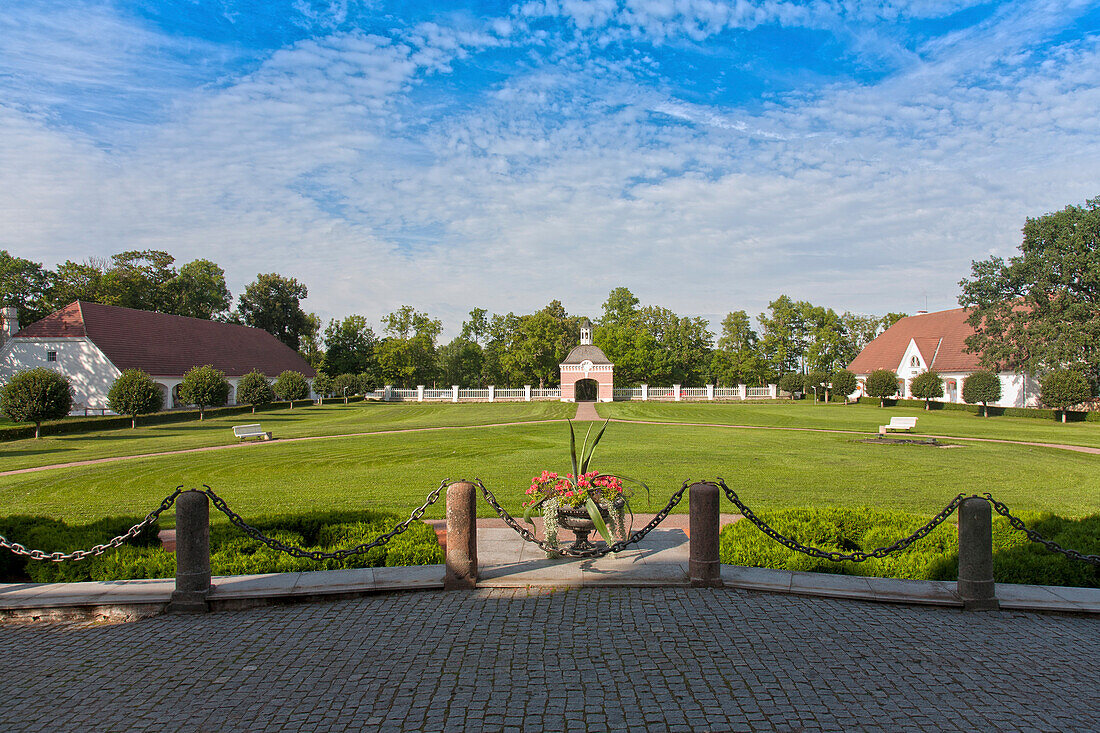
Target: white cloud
{"type": "Point", "coordinates": [561, 182]}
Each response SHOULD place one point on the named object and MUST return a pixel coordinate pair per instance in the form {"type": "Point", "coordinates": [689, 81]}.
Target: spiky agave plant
{"type": "Point", "coordinates": [580, 482]}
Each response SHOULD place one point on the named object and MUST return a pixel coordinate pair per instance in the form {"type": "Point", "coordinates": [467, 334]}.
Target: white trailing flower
{"type": "Point", "coordinates": [550, 523]}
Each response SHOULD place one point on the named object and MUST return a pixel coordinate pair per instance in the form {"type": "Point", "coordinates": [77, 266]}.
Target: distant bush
{"type": "Point", "coordinates": [936, 557]}
{"type": "Point", "coordinates": [255, 390]}
{"type": "Point", "coordinates": [791, 382]}
{"type": "Point", "coordinates": [927, 386]}
{"type": "Point", "coordinates": [1062, 389]}
{"type": "Point", "coordinates": [134, 393]}
{"type": "Point", "coordinates": [204, 386]}
{"type": "Point", "coordinates": [291, 385]}
{"type": "Point", "coordinates": [982, 386]}
{"type": "Point", "coordinates": [231, 552]}
{"type": "Point", "coordinates": [842, 384]}
{"type": "Point", "coordinates": [882, 383]}
{"type": "Point", "coordinates": [36, 395]}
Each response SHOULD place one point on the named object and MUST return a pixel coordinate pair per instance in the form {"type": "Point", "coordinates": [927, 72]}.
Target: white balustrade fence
{"type": "Point", "coordinates": [492, 394]}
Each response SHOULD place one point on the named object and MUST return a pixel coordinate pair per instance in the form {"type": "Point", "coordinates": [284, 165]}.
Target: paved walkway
{"type": "Point", "coordinates": [616, 659]}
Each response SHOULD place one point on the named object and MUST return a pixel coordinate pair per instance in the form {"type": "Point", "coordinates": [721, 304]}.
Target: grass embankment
{"type": "Point", "coordinates": [769, 469]}
{"type": "Point", "coordinates": [861, 417]}
{"type": "Point", "coordinates": [357, 417]}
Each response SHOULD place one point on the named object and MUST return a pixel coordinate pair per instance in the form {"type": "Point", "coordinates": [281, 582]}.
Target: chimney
{"type": "Point", "coordinates": [9, 322]}
{"type": "Point", "coordinates": [922, 313]}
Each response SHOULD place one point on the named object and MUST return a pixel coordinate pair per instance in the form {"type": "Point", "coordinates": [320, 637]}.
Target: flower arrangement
{"type": "Point", "coordinates": [602, 495]}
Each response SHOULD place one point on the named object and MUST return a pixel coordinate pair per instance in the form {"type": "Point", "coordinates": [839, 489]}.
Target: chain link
{"type": "Point", "coordinates": [236, 520]}
{"type": "Point", "coordinates": [595, 552]}
{"type": "Point", "coordinates": [78, 555]}
{"type": "Point", "coordinates": [1036, 537]}
{"type": "Point", "coordinates": [858, 556]}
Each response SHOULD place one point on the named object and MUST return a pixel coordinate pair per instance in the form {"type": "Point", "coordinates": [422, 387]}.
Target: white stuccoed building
{"type": "Point", "coordinates": [91, 344]}
{"type": "Point", "coordinates": [937, 341]}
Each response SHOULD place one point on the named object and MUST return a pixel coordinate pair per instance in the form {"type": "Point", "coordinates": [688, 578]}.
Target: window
{"type": "Point", "coordinates": [914, 362]}
{"type": "Point", "coordinates": [51, 356]}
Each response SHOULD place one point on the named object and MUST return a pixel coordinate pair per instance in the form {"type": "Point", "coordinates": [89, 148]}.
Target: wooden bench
{"type": "Point", "coordinates": [898, 423]}
{"type": "Point", "coordinates": [251, 431]}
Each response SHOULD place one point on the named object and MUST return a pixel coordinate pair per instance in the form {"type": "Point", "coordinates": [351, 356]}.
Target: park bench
{"type": "Point", "coordinates": [251, 431]}
{"type": "Point", "coordinates": [898, 423]}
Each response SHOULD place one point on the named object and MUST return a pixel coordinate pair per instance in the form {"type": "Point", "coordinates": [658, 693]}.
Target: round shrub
{"type": "Point", "coordinates": [346, 385]}
{"type": "Point", "coordinates": [791, 382]}
{"type": "Point", "coordinates": [35, 395]}
{"type": "Point", "coordinates": [982, 386]}
{"type": "Point", "coordinates": [255, 390]}
{"type": "Point", "coordinates": [843, 383]}
{"type": "Point", "coordinates": [927, 386]}
{"type": "Point", "coordinates": [291, 385]}
{"type": "Point", "coordinates": [882, 383]}
{"type": "Point", "coordinates": [204, 386]}
{"type": "Point", "coordinates": [1062, 389]}
{"type": "Point", "coordinates": [135, 393]}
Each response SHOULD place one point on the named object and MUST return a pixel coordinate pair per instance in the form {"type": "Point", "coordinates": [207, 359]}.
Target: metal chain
{"type": "Point", "coordinates": [77, 555]}
{"type": "Point", "coordinates": [295, 551]}
{"type": "Point", "coordinates": [858, 556]}
{"type": "Point", "coordinates": [1036, 537]}
{"type": "Point", "coordinates": [595, 552]}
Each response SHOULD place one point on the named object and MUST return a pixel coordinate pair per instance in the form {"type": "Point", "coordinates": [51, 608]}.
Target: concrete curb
{"type": "Point", "coordinates": [130, 600]}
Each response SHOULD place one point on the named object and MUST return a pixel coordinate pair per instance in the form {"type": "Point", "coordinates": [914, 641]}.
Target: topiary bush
{"type": "Point", "coordinates": [1062, 389]}
{"type": "Point", "coordinates": [36, 395]}
{"type": "Point", "coordinates": [1015, 560]}
{"type": "Point", "coordinates": [842, 384]}
{"type": "Point", "coordinates": [204, 386]}
{"type": "Point", "coordinates": [982, 386]}
{"type": "Point", "coordinates": [792, 383]}
{"type": "Point", "coordinates": [135, 393]}
{"type": "Point", "coordinates": [927, 385]}
{"type": "Point", "coordinates": [255, 390]}
{"type": "Point", "coordinates": [882, 383]}
{"type": "Point", "coordinates": [291, 385]}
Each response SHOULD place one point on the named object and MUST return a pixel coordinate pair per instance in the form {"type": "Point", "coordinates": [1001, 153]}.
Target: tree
{"type": "Point", "coordinates": [345, 384]}
{"type": "Point", "coordinates": [404, 322]}
{"type": "Point", "coordinates": [35, 395]}
{"type": "Point", "coordinates": [791, 382]}
{"type": "Point", "coordinates": [73, 281]}
{"type": "Point", "coordinates": [273, 303]}
{"type": "Point", "coordinates": [1040, 310]}
{"type": "Point", "coordinates": [927, 386]}
{"type": "Point", "coordinates": [882, 383]}
{"type": "Point", "coordinates": [1062, 389]}
{"type": "Point", "coordinates": [782, 338]}
{"type": "Point", "coordinates": [204, 386]}
{"type": "Point", "coordinates": [139, 279]}
{"type": "Point", "coordinates": [349, 347]}
{"type": "Point", "coordinates": [982, 386]}
{"type": "Point", "coordinates": [737, 358]}
{"type": "Point", "coordinates": [322, 385]}
{"type": "Point", "coordinates": [290, 386]}
{"type": "Point", "coordinates": [843, 383]}
{"type": "Point", "coordinates": [309, 345]}
{"type": "Point", "coordinates": [891, 318]}
{"type": "Point", "coordinates": [134, 393]}
{"type": "Point", "coordinates": [620, 308]}
{"type": "Point", "coordinates": [255, 390]}
{"type": "Point", "coordinates": [460, 362]}
{"type": "Point", "coordinates": [199, 290]}
{"type": "Point", "coordinates": [23, 284]}
{"type": "Point", "coordinates": [859, 330]}
{"type": "Point", "coordinates": [476, 328]}
{"type": "Point", "coordinates": [817, 382]}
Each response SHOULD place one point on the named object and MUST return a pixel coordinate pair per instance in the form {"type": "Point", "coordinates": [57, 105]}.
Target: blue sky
{"type": "Point", "coordinates": [707, 155]}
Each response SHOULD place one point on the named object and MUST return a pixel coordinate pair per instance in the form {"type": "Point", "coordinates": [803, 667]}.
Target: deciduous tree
{"type": "Point", "coordinates": [134, 393]}
{"type": "Point", "coordinates": [35, 395]}
{"type": "Point", "coordinates": [1062, 389]}
{"type": "Point", "coordinates": [273, 303]}
{"type": "Point", "coordinates": [290, 386]}
{"type": "Point", "coordinates": [982, 386]}
{"type": "Point", "coordinates": [204, 386]}
{"type": "Point", "coordinates": [882, 383]}
{"type": "Point", "coordinates": [255, 390]}
{"type": "Point", "coordinates": [927, 386]}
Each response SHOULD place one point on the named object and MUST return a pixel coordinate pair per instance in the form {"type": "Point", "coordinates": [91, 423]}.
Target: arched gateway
{"type": "Point", "coordinates": [587, 362]}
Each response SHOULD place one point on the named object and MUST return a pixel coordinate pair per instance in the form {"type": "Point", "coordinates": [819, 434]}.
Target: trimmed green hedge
{"type": "Point", "coordinates": [231, 552]}
{"type": "Point", "coordinates": [1033, 412]}
{"type": "Point", "coordinates": [72, 425]}
{"type": "Point", "coordinates": [340, 400]}
{"type": "Point", "coordinates": [936, 557]}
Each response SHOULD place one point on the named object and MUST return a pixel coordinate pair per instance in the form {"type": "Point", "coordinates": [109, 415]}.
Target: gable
{"type": "Point", "coordinates": [940, 339]}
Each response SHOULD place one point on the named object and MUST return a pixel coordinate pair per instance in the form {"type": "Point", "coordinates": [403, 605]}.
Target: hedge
{"type": "Point", "coordinates": [231, 552]}
{"type": "Point", "coordinates": [936, 557]}
{"type": "Point", "coordinates": [340, 400]}
{"type": "Point", "coordinates": [1033, 412]}
{"type": "Point", "coordinates": [115, 422]}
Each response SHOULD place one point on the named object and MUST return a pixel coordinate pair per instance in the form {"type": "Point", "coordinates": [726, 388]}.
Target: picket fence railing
{"type": "Point", "coordinates": [528, 394]}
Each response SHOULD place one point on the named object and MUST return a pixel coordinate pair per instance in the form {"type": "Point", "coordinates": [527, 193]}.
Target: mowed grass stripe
{"type": "Point", "coordinates": [394, 472]}
{"type": "Point", "coordinates": [317, 420]}
{"type": "Point", "coordinates": [863, 418]}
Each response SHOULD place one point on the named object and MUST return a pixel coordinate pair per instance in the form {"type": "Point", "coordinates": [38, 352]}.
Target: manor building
{"type": "Point", "coordinates": [936, 341]}
{"type": "Point", "coordinates": [92, 344]}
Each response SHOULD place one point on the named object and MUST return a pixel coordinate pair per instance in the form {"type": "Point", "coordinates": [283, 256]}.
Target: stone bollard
{"type": "Point", "coordinates": [976, 587]}
{"type": "Point", "coordinates": [704, 568]}
{"type": "Point", "coordinates": [192, 553]}
{"type": "Point", "coordinates": [461, 536]}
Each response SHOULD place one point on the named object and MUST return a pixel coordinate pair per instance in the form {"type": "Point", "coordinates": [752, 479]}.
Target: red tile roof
{"type": "Point", "coordinates": [166, 345]}
{"type": "Point", "coordinates": [940, 337]}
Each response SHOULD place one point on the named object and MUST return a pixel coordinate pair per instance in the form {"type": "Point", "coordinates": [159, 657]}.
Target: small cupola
{"type": "Point", "coordinates": [586, 332]}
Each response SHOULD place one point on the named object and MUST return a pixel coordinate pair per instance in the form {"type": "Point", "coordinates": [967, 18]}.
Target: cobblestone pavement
{"type": "Point", "coordinates": [590, 659]}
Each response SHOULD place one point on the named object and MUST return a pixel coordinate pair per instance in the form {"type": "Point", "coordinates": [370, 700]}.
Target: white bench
{"type": "Point", "coordinates": [898, 423]}
{"type": "Point", "coordinates": [251, 431]}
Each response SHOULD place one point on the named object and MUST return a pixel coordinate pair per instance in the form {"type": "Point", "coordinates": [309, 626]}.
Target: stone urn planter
{"type": "Point", "coordinates": [578, 521]}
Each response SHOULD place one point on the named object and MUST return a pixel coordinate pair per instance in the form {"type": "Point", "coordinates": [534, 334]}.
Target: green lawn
{"type": "Point", "coordinates": [394, 472]}
{"type": "Point", "coordinates": [357, 417]}
{"type": "Point", "coordinates": [859, 417]}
